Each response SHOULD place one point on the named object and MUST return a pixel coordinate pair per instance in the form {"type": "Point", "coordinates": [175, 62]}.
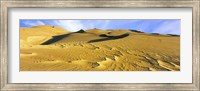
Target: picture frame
{"type": "Point", "coordinates": [7, 4]}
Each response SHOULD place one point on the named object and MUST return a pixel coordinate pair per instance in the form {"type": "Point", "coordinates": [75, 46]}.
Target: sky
{"type": "Point", "coordinates": [162, 26]}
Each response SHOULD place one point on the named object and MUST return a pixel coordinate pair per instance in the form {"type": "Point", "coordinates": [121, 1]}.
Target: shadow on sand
{"type": "Point", "coordinates": [55, 39]}
{"type": "Point", "coordinates": [137, 31]}
{"type": "Point", "coordinates": [109, 38]}
{"type": "Point", "coordinates": [174, 35]}
{"type": "Point", "coordinates": [59, 37]}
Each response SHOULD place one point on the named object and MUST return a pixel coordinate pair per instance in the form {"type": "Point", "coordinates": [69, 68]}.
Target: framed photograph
{"type": "Point", "coordinates": [100, 45]}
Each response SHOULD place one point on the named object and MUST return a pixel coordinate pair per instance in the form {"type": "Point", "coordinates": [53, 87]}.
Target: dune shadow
{"type": "Point", "coordinates": [155, 33]}
{"type": "Point", "coordinates": [164, 35]}
{"type": "Point", "coordinates": [174, 35]}
{"type": "Point", "coordinates": [109, 38]}
{"type": "Point", "coordinates": [55, 39]}
{"type": "Point", "coordinates": [137, 31]}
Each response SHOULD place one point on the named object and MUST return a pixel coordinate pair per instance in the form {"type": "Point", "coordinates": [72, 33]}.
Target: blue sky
{"type": "Point", "coordinates": [149, 26]}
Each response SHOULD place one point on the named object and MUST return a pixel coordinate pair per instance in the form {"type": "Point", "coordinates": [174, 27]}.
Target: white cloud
{"type": "Point", "coordinates": [105, 24]}
{"type": "Point", "coordinates": [168, 28]}
{"type": "Point", "coordinates": [75, 25]}
{"type": "Point", "coordinates": [35, 23]}
{"type": "Point", "coordinates": [70, 25]}
{"type": "Point", "coordinates": [163, 27]}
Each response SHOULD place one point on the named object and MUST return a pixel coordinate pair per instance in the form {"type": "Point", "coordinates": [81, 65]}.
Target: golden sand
{"type": "Point", "coordinates": [49, 48]}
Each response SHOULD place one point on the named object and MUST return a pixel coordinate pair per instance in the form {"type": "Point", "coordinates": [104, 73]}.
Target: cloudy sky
{"type": "Point", "coordinates": [149, 26]}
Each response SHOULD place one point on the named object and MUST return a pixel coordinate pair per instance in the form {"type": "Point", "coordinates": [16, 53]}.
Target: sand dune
{"type": "Point", "coordinates": [39, 34]}
{"type": "Point", "coordinates": [97, 50]}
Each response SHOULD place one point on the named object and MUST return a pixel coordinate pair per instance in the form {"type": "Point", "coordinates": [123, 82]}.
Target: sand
{"type": "Point", "coordinates": [51, 48]}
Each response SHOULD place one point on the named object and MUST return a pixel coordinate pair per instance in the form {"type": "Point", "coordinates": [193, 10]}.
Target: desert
{"type": "Point", "coordinates": [52, 48]}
